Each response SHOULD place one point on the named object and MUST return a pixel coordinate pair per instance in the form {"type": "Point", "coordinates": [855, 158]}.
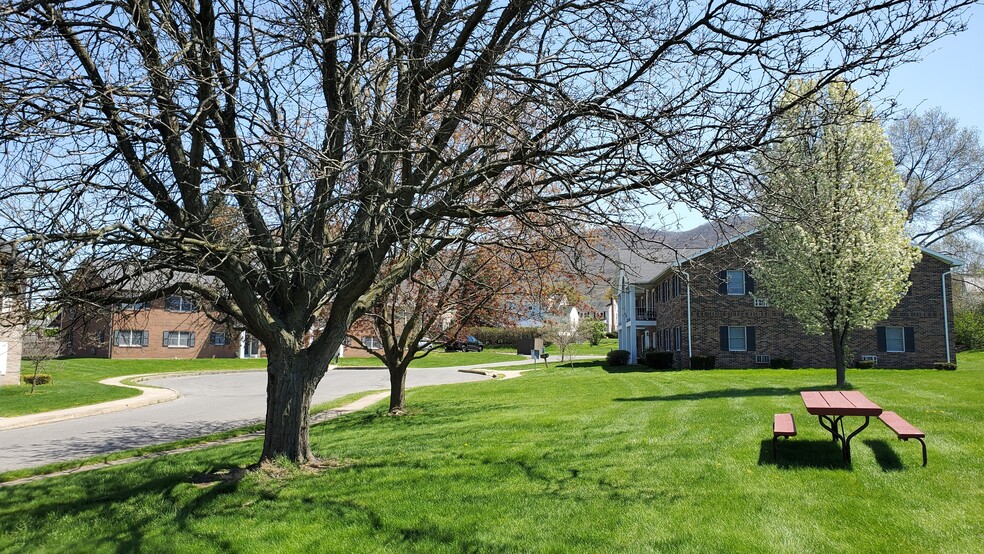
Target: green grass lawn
{"type": "Point", "coordinates": [561, 460]}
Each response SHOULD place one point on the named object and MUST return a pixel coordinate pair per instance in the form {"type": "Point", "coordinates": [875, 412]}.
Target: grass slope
{"type": "Point", "coordinates": [562, 460]}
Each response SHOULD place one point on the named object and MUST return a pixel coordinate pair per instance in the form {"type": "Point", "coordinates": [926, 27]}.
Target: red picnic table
{"type": "Point", "coordinates": [832, 406]}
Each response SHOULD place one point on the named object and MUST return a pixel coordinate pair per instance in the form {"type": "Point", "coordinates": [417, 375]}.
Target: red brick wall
{"type": "Point", "coordinates": [87, 330]}
{"type": "Point", "coordinates": [781, 336]}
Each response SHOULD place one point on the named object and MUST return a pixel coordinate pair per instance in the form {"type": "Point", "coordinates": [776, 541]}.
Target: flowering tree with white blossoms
{"type": "Point", "coordinates": [836, 256]}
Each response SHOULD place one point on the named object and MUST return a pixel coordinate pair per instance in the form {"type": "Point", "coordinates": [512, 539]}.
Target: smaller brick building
{"type": "Point", "coordinates": [706, 303]}
{"type": "Point", "coordinates": [170, 327]}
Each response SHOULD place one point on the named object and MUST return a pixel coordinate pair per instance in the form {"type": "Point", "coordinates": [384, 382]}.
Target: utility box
{"type": "Point", "coordinates": [526, 345]}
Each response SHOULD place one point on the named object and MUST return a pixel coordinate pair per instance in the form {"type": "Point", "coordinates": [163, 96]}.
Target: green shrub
{"type": "Point", "coordinates": [595, 331]}
{"type": "Point", "coordinates": [617, 357]}
{"type": "Point", "coordinates": [658, 360]}
{"type": "Point", "coordinates": [945, 366]}
{"type": "Point", "coordinates": [612, 334]}
{"type": "Point", "coordinates": [39, 379]}
{"type": "Point", "coordinates": [865, 364]}
{"type": "Point", "coordinates": [969, 329]}
{"type": "Point", "coordinates": [702, 362]}
{"type": "Point", "coordinates": [781, 363]}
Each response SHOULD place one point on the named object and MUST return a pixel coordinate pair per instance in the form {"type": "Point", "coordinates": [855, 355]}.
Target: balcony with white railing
{"type": "Point", "coordinates": [645, 313]}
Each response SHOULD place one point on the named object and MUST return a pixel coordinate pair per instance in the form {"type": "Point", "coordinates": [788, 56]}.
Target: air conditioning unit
{"type": "Point", "coordinates": [869, 359]}
{"type": "Point", "coordinates": [763, 359]}
{"type": "Point", "coordinates": [761, 302]}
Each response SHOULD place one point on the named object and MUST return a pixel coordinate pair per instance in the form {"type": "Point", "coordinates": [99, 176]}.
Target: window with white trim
{"type": "Point", "coordinates": [6, 305]}
{"type": "Point", "coordinates": [179, 304]}
{"type": "Point", "coordinates": [372, 343]}
{"type": "Point", "coordinates": [761, 302]}
{"type": "Point", "coordinates": [133, 306]}
{"type": "Point", "coordinates": [894, 339]}
{"type": "Point", "coordinates": [737, 339]}
{"type": "Point", "coordinates": [217, 338]}
{"type": "Point", "coordinates": [130, 338]}
{"type": "Point", "coordinates": [736, 282]}
{"type": "Point", "coordinates": [179, 339]}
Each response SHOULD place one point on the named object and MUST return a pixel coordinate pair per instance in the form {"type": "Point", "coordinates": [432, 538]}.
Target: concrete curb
{"type": "Point", "coordinates": [148, 396]}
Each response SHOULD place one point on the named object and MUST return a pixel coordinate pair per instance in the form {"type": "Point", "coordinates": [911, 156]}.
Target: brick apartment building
{"type": "Point", "coordinates": [705, 303]}
{"type": "Point", "coordinates": [171, 327]}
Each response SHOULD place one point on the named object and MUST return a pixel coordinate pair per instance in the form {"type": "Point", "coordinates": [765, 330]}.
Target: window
{"type": "Point", "coordinates": [676, 338]}
{"type": "Point", "coordinates": [738, 339]}
{"type": "Point", "coordinates": [179, 304]}
{"type": "Point", "coordinates": [129, 338]}
{"type": "Point", "coordinates": [736, 282]}
{"type": "Point", "coordinates": [666, 339]}
{"type": "Point", "coordinates": [133, 306]}
{"type": "Point", "coordinates": [217, 338]}
{"type": "Point", "coordinates": [179, 339]}
{"type": "Point", "coordinates": [372, 343]}
{"type": "Point", "coordinates": [761, 302]}
{"type": "Point", "coordinates": [676, 286]}
{"type": "Point", "coordinates": [894, 339]}
{"type": "Point", "coordinates": [6, 305]}
{"type": "Point", "coordinates": [102, 336]}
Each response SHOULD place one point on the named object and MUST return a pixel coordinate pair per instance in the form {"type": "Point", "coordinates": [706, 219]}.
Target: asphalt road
{"type": "Point", "coordinates": [208, 404]}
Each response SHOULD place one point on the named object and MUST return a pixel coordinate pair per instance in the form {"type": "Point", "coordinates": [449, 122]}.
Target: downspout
{"type": "Point", "coordinates": [690, 335]}
{"type": "Point", "coordinates": [946, 321]}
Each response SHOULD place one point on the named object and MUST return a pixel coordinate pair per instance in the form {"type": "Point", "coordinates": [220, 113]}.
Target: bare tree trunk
{"type": "Point", "coordinates": [291, 382]}
{"type": "Point", "coordinates": [398, 389]}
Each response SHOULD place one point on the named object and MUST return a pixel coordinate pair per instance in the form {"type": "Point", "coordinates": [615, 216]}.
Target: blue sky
{"type": "Point", "coordinates": [950, 76]}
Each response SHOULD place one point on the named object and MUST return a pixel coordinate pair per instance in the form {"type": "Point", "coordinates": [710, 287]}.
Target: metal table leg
{"type": "Point", "coordinates": [847, 440]}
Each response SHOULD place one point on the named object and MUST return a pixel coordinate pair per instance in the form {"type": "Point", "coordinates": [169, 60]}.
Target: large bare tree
{"type": "Point", "coordinates": [291, 150]}
{"type": "Point", "coordinates": [942, 165]}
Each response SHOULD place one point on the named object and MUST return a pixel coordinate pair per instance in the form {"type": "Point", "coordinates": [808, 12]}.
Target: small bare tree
{"type": "Point", "coordinates": [40, 348]}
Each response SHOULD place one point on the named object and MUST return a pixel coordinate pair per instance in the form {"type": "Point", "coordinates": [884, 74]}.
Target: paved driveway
{"type": "Point", "coordinates": [208, 403]}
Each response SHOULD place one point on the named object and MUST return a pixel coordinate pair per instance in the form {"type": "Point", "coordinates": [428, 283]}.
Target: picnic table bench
{"type": "Point", "coordinates": [782, 426]}
{"type": "Point", "coordinates": [904, 430]}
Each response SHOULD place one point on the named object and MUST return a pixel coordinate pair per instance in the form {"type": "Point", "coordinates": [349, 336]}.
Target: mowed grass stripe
{"type": "Point", "coordinates": [562, 460]}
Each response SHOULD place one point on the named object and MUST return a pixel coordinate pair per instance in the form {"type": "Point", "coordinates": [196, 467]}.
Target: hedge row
{"type": "Point", "coordinates": [504, 335]}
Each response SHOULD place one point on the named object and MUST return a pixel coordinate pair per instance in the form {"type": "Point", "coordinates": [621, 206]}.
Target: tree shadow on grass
{"type": "Point", "coordinates": [727, 393]}
{"type": "Point", "coordinates": [795, 453]}
{"type": "Point", "coordinates": [637, 368]}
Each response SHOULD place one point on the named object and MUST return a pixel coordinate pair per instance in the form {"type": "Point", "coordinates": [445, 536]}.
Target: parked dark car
{"type": "Point", "coordinates": [467, 344]}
